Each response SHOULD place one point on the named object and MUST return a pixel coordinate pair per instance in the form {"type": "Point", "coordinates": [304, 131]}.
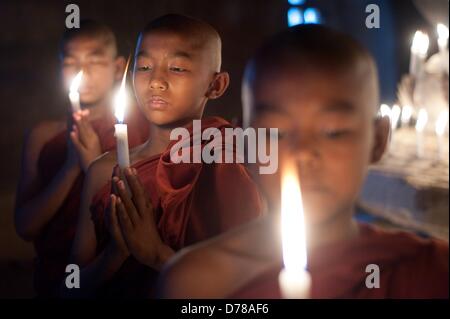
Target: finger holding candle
{"type": "Point", "coordinates": [74, 95]}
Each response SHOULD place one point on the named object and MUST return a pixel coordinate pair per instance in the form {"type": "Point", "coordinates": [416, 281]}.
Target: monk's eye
{"type": "Point", "coordinates": [97, 61]}
{"type": "Point", "coordinates": [69, 63]}
{"type": "Point", "coordinates": [143, 68]}
{"type": "Point", "coordinates": [334, 134]}
{"type": "Point", "coordinates": [177, 69]}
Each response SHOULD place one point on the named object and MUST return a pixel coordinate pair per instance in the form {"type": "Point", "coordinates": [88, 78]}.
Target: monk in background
{"type": "Point", "coordinates": [320, 88]}
{"type": "Point", "coordinates": [57, 154]}
{"type": "Point", "coordinates": [123, 239]}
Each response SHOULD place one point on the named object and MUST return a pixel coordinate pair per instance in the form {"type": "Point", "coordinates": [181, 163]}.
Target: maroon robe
{"type": "Point", "coordinates": [54, 244]}
{"type": "Point", "coordinates": [410, 267]}
{"type": "Point", "coordinates": [192, 202]}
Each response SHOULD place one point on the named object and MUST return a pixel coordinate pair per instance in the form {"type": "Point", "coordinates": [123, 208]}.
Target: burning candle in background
{"type": "Point", "coordinates": [441, 125]}
{"type": "Point", "coordinates": [385, 110]}
{"type": "Point", "coordinates": [395, 116]}
{"type": "Point", "coordinates": [442, 32]}
{"type": "Point", "coordinates": [121, 130]}
{"type": "Point", "coordinates": [422, 120]}
{"type": "Point", "coordinates": [419, 49]}
{"type": "Point", "coordinates": [74, 96]}
{"type": "Point", "coordinates": [294, 279]}
{"type": "Point", "coordinates": [407, 112]}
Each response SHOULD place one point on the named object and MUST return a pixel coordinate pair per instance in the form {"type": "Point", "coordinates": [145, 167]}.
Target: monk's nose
{"type": "Point", "coordinates": [306, 153]}
{"type": "Point", "coordinates": [157, 82]}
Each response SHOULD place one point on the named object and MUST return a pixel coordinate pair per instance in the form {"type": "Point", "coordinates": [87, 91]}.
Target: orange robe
{"type": "Point", "coordinates": [410, 267]}
{"type": "Point", "coordinates": [192, 202]}
{"type": "Point", "coordinates": [54, 244]}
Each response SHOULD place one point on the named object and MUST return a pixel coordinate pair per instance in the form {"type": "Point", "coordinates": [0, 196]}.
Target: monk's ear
{"type": "Point", "coordinates": [382, 137]}
{"type": "Point", "coordinates": [218, 86]}
{"type": "Point", "coordinates": [119, 63]}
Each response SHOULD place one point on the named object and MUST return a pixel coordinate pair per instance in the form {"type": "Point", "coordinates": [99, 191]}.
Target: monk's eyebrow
{"type": "Point", "coordinates": [97, 52]}
{"type": "Point", "coordinates": [181, 54]}
{"type": "Point", "coordinates": [66, 55]}
{"type": "Point", "coordinates": [342, 107]}
{"type": "Point", "coordinates": [142, 53]}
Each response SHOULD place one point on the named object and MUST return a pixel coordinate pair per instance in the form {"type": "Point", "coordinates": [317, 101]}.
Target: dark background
{"type": "Point", "coordinates": [30, 89]}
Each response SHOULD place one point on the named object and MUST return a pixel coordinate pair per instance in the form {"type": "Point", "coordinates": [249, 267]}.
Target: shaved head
{"type": "Point", "coordinates": [89, 29]}
{"type": "Point", "coordinates": [201, 35]}
{"type": "Point", "coordinates": [312, 48]}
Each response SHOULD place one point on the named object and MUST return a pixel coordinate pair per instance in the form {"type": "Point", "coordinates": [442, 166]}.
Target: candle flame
{"type": "Point", "coordinates": [420, 44]}
{"type": "Point", "coordinates": [442, 31]}
{"type": "Point", "coordinates": [407, 111]}
{"type": "Point", "coordinates": [74, 86]}
{"type": "Point", "coordinates": [442, 122]}
{"type": "Point", "coordinates": [292, 221]}
{"type": "Point", "coordinates": [395, 115]}
{"type": "Point", "coordinates": [422, 120]}
{"type": "Point", "coordinates": [385, 111]}
{"type": "Point", "coordinates": [120, 99]}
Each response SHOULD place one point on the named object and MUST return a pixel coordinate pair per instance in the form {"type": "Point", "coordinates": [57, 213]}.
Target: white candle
{"type": "Point", "coordinates": [419, 51]}
{"type": "Point", "coordinates": [407, 112]}
{"type": "Point", "coordinates": [440, 127]}
{"type": "Point", "coordinates": [442, 32]}
{"type": "Point", "coordinates": [74, 96]}
{"type": "Point", "coordinates": [121, 130]}
{"type": "Point", "coordinates": [123, 154]}
{"type": "Point", "coordinates": [422, 119]}
{"type": "Point", "coordinates": [294, 279]}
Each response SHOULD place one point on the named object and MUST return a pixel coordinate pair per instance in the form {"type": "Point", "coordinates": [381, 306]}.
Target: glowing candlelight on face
{"type": "Point", "coordinates": [395, 116]}
{"type": "Point", "coordinates": [442, 32]}
{"type": "Point", "coordinates": [121, 130]}
{"type": "Point", "coordinates": [419, 51]}
{"type": "Point", "coordinates": [422, 120]}
{"type": "Point", "coordinates": [407, 111]}
{"type": "Point", "coordinates": [74, 96]}
{"type": "Point", "coordinates": [440, 127]}
{"type": "Point", "coordinates": [294, 279]}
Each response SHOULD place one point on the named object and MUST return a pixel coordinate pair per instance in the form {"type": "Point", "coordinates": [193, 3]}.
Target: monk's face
{"type": "Point", "coordinates": [101, 68]}
{"type": "Point", "coordinates": [326, 126]}
{"type": "Point", "coordinates": [172, 76]}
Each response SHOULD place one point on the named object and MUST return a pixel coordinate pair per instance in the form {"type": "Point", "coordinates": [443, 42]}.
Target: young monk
{"type": "Point", "coordinates": [171, 205]}
{"type": "Point", "coordinates": [319, 87]}
{"type": "Point", "coordinates": [57, 154]}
